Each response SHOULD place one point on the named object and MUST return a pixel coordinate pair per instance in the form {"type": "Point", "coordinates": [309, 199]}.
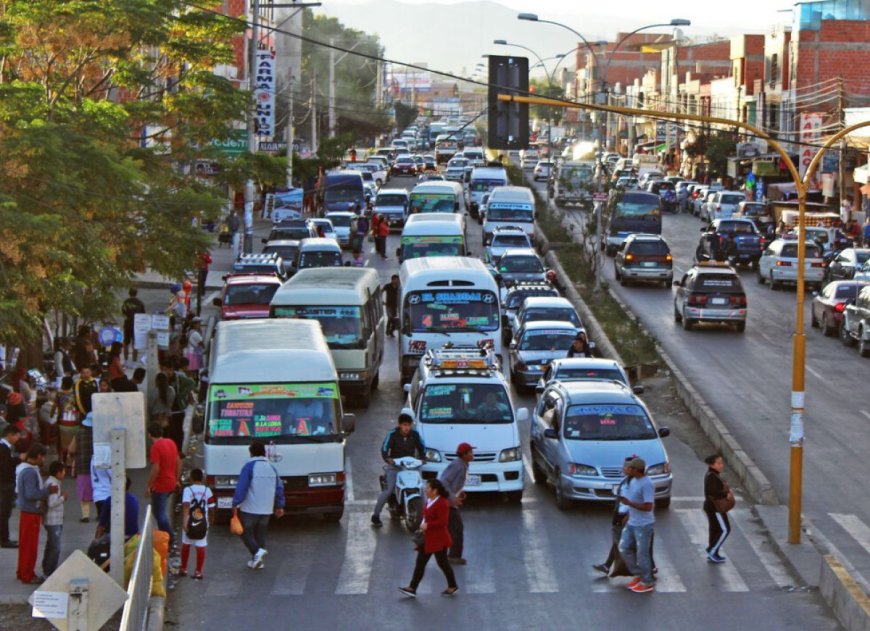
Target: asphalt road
{"type": "Point", "coordinates": [746, 379]}
{"type": "Point", "coordinates": [529, 565]}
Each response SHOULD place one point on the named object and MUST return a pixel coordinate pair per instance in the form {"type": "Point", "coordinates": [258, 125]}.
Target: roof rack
{"type": "Point", "coordinates": [719, 264]}
{"type": "Point", "coordinates": [462, 359]}
{"type": "Point", "coordinates": [257, 259]}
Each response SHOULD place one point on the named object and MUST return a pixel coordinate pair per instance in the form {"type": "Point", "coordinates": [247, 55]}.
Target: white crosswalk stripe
{"type": "Point", "coordinates": [695, 523]}
{"type": "Point", "coordinates": [359, 553]}
{"type": "Point", "coordinates": [757, 539]}
{"type": "Point", "coordinates": [539, 565]}
{"type": "Point", "coordinates": [855, 526]}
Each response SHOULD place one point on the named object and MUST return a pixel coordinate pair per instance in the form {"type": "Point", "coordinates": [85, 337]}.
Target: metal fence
{"type": "Point", "coordinates": [135, 616]}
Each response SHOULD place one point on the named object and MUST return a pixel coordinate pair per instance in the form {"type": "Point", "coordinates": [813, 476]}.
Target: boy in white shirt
{"type": "Point", "coordinates": [53, 520]}
{"type": "Point", "coordinates": [197, 512]}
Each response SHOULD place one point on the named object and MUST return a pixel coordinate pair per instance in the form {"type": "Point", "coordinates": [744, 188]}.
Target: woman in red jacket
{"type": "Point", "coordinates": [436, 539]}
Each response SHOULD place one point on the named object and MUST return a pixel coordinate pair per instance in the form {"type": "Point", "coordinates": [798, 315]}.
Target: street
{"type": "Point", "coordinates": [746, 379]}
{"type": "Point", "coordinates": [529, 566]}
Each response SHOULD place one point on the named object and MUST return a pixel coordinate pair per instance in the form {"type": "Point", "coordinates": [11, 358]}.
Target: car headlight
{"type": "Point", "coordinates": [534, 367]}
{"type": "Point", "coordinates": [582, 469]}
{"type": "Point", "coordinates": [352, 376]}
{"type": "Point", "coordinates": [322, 479]}
{"type": "Point", "coordinates": [510, 455]}
{"type": "Point", "coordinates": [659, 469]}
{"type": "Point", "coordinates": [433, 455]}
{"type": "Point", "coordinates": [225, 481]}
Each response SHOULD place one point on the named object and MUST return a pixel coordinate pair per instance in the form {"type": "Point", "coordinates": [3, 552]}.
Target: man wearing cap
{"type": "Point", "coordinates": [401, 442]}
{"type": "Point", "coordinates": [636, 539]}
{"type": "Point", "coordinates": [453, 479]}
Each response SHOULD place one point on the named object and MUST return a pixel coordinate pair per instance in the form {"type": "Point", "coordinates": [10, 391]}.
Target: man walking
{"type": "Point", "coordinates": [233, 224]}
{"type": "Point", "coordinates": [129, 308]}
{"type": "Point", "coordinates": [637, 534]}
{"type": "Point", "coordinates": [391, 302]}
{"type": "Point", "coordinates": [383, 231]}
{"type": "Point", "coordinates": [165, 474]}
{"type": "Point", "coordinates": [258, 495]}
{"type": "Point", "coordinates": [32, 495]}
{"type": "Point", "coordinates": [453, 478]}
{"type": "Point", "coordinates": [401, 442]}
{"type": "Point", "coordinates": [8, 461]}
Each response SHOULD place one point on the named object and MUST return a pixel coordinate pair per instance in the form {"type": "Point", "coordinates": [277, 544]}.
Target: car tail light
{"type": "Point", "coordinates": [840, 307]}
{"type": "Point", "coordinates": [738, 301]}
{"type": "Point", "coordinates": [669, 259]}
{"type": "Point", "coordinates": [629, 257]}
{"type": "Point", "coordinates": [819, 264]}
{"type": "Point", "coordinates": [697, 300]}
{"type": "Point", "coordinates": [783, 263]}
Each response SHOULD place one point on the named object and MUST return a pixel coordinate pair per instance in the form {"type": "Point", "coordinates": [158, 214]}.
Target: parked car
{"type": "Point", "coordinates": [847, 263]}
{"type": "Point", "coordinates": [855, 327]}
{"type": "Point", "coordinates": [580, 435]}
{"type": "Point", "coordinates": [644, 257]}
{"type": "Point", "coordinates": [829, 304]}
{"type": "Point", "coordinates": [778, 263]}
{"type": "Point", "coordinates": [710, 292]}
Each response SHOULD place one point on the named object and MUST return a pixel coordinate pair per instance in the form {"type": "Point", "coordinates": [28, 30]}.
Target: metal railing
{"type": "Point", "coordinates": [135, 616]}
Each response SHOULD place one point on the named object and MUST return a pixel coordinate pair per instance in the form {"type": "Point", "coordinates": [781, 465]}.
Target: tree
{"type": "Point", "coordinates": [719, 147]}
{"type": "Point", "coordinates": [106, 106]}
{"type": "Point", "coordinates": [405, 114]}
{"type": "Point", "coordinates": [546, 89]}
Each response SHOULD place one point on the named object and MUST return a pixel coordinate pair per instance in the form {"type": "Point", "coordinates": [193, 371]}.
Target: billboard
{"type": "Point", "coordinates": [264, 93]}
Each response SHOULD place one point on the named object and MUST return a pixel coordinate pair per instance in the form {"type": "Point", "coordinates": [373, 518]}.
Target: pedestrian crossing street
{"type": "Point", "coordinates": [535, 550]}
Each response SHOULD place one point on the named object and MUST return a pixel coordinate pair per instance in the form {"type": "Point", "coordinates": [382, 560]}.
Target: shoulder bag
{"type": "Point", "coordinates": [724, 504]}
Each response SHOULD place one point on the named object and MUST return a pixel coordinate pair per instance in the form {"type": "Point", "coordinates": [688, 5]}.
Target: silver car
{"type": "Point", "coordinates": [582, 433]}
{"type": "Point", "coordinates": [584, 369]}
{"type": "Point", "coordinates": [535, 345]}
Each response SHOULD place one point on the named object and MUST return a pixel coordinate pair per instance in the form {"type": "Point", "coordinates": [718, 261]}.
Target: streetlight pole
{"type": "Point", "coordinates": [248, 244]}
{"type": "Point", "coordinates": [796, 423]}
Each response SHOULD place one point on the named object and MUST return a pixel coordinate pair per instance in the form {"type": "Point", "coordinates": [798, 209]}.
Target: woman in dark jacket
{"type": "Point", "coordinates": [715, 488]}
{"type": "Point", "coordinates": [436, 539]}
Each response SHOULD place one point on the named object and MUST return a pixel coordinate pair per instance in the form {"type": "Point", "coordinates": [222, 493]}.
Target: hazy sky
{"type": "Point", "coordinates": [402, 24]}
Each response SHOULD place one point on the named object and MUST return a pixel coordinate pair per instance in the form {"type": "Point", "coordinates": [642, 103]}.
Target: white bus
{"type": "Point", "coordinates": [346, 301]}
{"type": "Point", "coordinates": [509, 206]}
{"type": "Point", "coordinates": [274, 380]}
{"type": "Point", "coordinates": [446, 299]}
{"type": "Point", "coordinates": [433, 234]}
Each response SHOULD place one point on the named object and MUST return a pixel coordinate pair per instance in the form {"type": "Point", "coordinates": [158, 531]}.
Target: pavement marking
{"type": "Point", "coordinates": [695, 523]}
{"type": "Point", "coordinates": [865, 413]}
{"type": "Point", "coordinates": [667, 579]}
{"type": "Point", "coordinates": [348, 483]}
{"type": "Point", "coordinates": [767, 337]}
{"type": "Point", "coordinates": [539, 569]}
{"type": "Point", "coordinates": [814, 373]}
{"type": "Point", "coordinates": [359, 555]}
{"type": "Point", "coordinates": [857, 529]}
{"type": "Point", "coordinates": [528, 465]}
{"type": "Point", "coordinates": [758, 541]}
{"type": "Point", "coordinates": [292, 578]}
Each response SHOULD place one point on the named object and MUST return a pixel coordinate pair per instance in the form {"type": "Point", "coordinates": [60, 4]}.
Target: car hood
{"type": "Point", "coordinates": [390, 210]}
{"type": "Point", "coordinates": [491, 437]}
{"type": "Point", "coordinates": [239, 312]}
{"type": "Point", "coordinates": [612, 453]}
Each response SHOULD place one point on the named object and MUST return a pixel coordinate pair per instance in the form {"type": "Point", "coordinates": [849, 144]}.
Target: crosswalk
{"type": "Point", "coordinates": [528, 551]}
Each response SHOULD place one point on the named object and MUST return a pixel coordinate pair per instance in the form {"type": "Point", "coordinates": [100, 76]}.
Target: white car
{"type": "Point", "coordinates": [529, 158]}
{"type": "Point", "coordinates": [379, 172]}
{"type": "Point", "coordinates": [325, 228]}
{"type": "Point", "coordinates": [722, 205]}
{"type": "Point", "coordinates": [505, 237]}
{"type": "Point", "coordinates": [863, 274]}
{"type": "Point", "coordinates": [542, 170]}
{"type": "Point", "coordinates": [778, 263]}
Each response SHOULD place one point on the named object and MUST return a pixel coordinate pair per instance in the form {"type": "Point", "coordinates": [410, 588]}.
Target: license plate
{"type": "Point", "coordinates": [224, 502]}
{"type": "Point", "coordinates": [648, 264]}
{"type": "Point", "coordinates": [472, 480]}
{"type": "Point", "coordinates": [718, 301]}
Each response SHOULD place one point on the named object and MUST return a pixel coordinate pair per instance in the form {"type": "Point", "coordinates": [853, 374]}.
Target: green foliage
{"type": "Point", "coordinates": [546, 89]}
{"type": "Point", "coordinates": [405, 114]}
{"type": "Point", "coordinates": [105, 108]}
{"type": "Point", "coordinates": [718, 148]}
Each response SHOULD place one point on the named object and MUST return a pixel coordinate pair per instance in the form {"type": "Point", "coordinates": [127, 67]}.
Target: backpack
{"type": "Point", "coordinates": [197, 523]}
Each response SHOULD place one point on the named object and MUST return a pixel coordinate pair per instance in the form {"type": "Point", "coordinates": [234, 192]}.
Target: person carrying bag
{"type": "Point", "coordinates": [718, 500]}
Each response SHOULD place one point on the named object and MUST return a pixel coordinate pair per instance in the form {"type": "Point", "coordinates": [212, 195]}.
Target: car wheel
{"type": "Point", "coordinates": [538, 475]}
{"type": "Point", "coordinates": [827, 329]}
{"type": "Point", "coordinates": [376, 381]}
{"type": "Point", "coordinates": [863, 344]}
{"type": "Point", "coordinates": [515, 497]}
{"type": "Point", "coordinates": [845, 338]}
{"type": "Point", "coordinates": [774, 285]}
{"type": "Point", "coordinates": [678, 317]}
{"type": "Point", "coordinates": [562, 502]}
{"type": "Point", "coordinates": [740, 327]}
{"type": "Point", "coordinates": [688, 323]}
{"type": "Point", "coordinates": [616, 272]}
{"type": "Point", "coordinates": [761, 279]}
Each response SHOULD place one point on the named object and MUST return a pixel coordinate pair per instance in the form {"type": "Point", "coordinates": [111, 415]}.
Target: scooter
{"type": "Point", "coordinates": [406, 503]}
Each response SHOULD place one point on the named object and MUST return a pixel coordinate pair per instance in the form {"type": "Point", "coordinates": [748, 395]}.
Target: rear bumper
{"type": "Point", "coordinates": [789, 275]}
{"type": "Point", "coordinates": [648, 273]}
{"type": "Point", "coordinates": [716, 315]}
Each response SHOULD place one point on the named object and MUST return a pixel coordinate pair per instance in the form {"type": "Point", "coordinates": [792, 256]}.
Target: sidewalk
{"type": "Point", "coordinates": [222, 262]}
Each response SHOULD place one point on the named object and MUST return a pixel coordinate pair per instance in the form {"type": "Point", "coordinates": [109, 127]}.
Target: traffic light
{"type": "Point", "coordinates": [508, 121]}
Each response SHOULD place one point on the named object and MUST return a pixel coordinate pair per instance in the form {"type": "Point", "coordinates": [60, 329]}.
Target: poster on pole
{"type": "Point", "coordinates": [810, 132]}
{"type": "Point", "coordinates": [264, 93]}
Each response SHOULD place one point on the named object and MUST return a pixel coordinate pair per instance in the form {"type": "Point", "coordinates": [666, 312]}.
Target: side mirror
{"type": "Point", "coordinates": [407, 388]}
{"type": "Point", "coordinates": [264, 240]}
{"type": "Point", "coordinates": [539, 389]}
{"type": "Point", "coordinates": [637, 389]}
{"type": "Point", "coordinates": [551, 433]}
{"type": "Point", "coordinates": [505, 322]}
{"type": "Point", "coordinates": [513, 346]}
{"type": "Point", "coordinates": [522, 415]}
{"type": "Point", "coordinates": [348, 421]}
{"type": "Point", "coordinates": [664, 432]}
{"type": "Point", "coordinates": [677, 283]}
{"type": "Point", "coordinates": [216, 302]}
{"type": "Point", "coordinates": [703, 229]}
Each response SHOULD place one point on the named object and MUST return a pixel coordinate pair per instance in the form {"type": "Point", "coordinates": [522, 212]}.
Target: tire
{"type": "Point", "coordinates": [863, 344]}
{"type": "Point", "coordinates": [609, 250]}
{"type": "Point", "coordinates": [761, 279]}
{"type": "Point", "coordinates": [334, 517]}
{"type": "Point", "coordinates": [813, 322]}
{"type": "Point", "coordinates": [538, 475]}
{"type": "Point", "coordinates": [616, 272]}
{"type": "Point", "coordinates": [827, 329]}
{"type": "Point", "coordinates": [663, 502]}
{"type": "Point", "coordinates": [364, 400]}
{"type": "Point", "coordinates": [740, 327]}
{"type": "Point", "coordinates": [845, 337]}
{"type": "Point", "coordinates": [414, 514]}
{"type": "Point", "coordinates": [774, 285]}
{"type": "Point", "coordinates": [678, 317]}
{"type": "Point", "coordinates": [515, 497]}
{"type": "Point", "coordinates": [688, 323]}
{"type": "Point", "coordinates": [562, 502]}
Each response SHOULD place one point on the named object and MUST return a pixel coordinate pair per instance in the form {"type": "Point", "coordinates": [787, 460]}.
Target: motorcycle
{"type": "Point", "coordinates": [406, 502]}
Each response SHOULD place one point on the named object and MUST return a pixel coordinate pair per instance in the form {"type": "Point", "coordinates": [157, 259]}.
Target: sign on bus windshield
{"type": "Point", "coordinates": [414, 247]}
{"type": "Point", "coordinates": [433, 202]}
{"type": "Point", "coordinates": [453, 310]}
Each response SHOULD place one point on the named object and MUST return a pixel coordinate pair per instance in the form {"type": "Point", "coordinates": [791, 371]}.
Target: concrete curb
{"type": "Point", "coordinates": [844, 595]}
{"type": "Point", "coordinates": [156, 613]}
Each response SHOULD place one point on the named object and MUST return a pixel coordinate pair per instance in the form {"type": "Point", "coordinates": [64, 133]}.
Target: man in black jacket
{"type": "Point", "coordinates": [8, 461]}
{"type": "Point", "coordinates": [399, 443]}
{"type": "Point", "coordinates": [391, 301]}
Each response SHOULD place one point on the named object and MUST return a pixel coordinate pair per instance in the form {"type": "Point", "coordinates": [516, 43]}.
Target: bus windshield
{"type": "Point", "coordinates": [636, 213]}
{"type": "Point", "coordinates": [342, 194]}
{"type": "Point", "coordinates": [341, 324]}
{"type": "Point", "coordinates": [416, 247]}
{"type": "Point", "coordinates": [482, 186]}
{"type": "Point", "coordinates": [510, 212]}
{"type": "Point", "coordinates": [433, 202]}
{"type": "Point", "coordinates": [453, 310]}
{"type": "Point", "coordinates": [283, 413]}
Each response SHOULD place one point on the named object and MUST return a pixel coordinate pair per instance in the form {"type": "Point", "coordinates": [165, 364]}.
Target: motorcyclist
{"type": "Point", "coordinates": [401, 442]}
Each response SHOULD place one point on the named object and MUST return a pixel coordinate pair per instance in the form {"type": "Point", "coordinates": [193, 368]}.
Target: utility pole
{"type": "Point", "coordinates": [841, 109]}
{"type": "Point", "coordinates": [248, 245]}
{"type": "Point", "coordinates": [313, 115]}
{"type": "Point", "coordinates": [332, 88]}
{"type": "Point", "coordinates": [290, 134]}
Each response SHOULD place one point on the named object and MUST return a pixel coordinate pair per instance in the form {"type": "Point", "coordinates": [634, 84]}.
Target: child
{"type": "Point", "coordinates": [53, 521]}
{"type": "Point", "coordinates": [197, 504]}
